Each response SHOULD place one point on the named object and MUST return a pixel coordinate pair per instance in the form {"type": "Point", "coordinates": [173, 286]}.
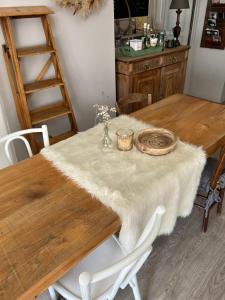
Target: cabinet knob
{"type": "Point", "coordinates": [147, 67]}
{"type": "Point", "coordinates": [174, 59]}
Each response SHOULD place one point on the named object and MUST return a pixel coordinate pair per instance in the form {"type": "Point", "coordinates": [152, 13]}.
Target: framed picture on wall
{"type": "Point", "coordinates": [212, 32]}
{"type": "Point", "coordinates": [211, 22]}
{"type": "Point", "coordinates": [213, 15]}
{"type": "Point", "coordinates": [215, 32]}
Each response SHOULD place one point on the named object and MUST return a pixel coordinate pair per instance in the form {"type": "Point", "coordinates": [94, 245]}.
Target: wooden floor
{"type": "Point", "coordinates": [187, 265]}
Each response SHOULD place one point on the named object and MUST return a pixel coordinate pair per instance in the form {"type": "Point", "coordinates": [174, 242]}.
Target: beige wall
{"type": "Point", "coordinates": [86, 48]}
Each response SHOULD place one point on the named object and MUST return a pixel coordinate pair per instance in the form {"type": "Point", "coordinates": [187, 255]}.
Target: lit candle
{"type": "Point", "coordinates": [125, 139]}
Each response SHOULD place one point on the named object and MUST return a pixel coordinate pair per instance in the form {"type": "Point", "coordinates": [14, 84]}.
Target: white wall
{"type": "Point", "coordinates": [86, 48]}
{"type": "Point", "coordinates": [206, 72]}
{"type": "Point", "coordinates": [3, 131]}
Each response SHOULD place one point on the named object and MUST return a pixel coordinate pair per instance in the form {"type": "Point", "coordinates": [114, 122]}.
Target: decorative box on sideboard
{"type": "Point", "coordinates": [161, 74]}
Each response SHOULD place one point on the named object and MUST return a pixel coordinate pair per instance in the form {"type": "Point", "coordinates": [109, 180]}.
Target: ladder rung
{"type": "Point", "coordinates": [24, 11]}
{"type": "Point", "coordinates": [40, 85]}
{"type": "Point", "coordinates": [36, 50]}
{"type": "Point", "coordinates": [35, 117]}
{"type": "Point", "coordinates": [61, 137]}
{"type": "Point", "coordinates": [48, 112]}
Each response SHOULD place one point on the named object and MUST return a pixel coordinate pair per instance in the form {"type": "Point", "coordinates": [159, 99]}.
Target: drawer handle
{"type": "Point", "coordinates": [174, 59]}
{"type": "Point", "coordinates": [147, 67]}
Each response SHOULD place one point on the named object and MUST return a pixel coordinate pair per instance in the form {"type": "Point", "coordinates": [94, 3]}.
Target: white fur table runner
{"type": "Point", "coordinates": [133, 184]}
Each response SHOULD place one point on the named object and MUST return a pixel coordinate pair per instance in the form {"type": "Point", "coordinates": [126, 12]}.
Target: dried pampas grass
{"type": "Point", "coordinates": [82, 7]}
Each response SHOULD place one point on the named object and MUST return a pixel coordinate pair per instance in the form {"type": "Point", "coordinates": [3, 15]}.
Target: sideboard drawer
{"type": "Point", "coordinates": [173, 58]}
{"type": "Point", "coordinates": [147, 65]}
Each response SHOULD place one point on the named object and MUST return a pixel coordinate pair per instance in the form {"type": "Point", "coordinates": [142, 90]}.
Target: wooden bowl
{"type": "Point", "coordinates": [155, 141]}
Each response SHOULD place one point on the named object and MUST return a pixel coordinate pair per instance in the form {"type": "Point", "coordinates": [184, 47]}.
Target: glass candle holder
{"type": "Point", "coordinates": [125, 139]}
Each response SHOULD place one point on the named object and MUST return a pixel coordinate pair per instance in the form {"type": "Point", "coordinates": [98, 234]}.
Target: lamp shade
{"type": "Point", "coordinates": [179, 4]}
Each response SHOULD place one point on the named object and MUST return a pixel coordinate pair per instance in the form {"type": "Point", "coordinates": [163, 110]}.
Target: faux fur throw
{"type": "Point", "coordinates": [133, 184]}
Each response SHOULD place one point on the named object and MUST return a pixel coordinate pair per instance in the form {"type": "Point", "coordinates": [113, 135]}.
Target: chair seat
{"type": "Point", "coordinates": [206, 177]}
{"type": "Point", "coordinates": [102, 257]}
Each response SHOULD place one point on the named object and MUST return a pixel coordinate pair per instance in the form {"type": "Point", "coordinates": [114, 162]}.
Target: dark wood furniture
{"type": "Point", "coordinates": [161, 74]}
{"type": "Point", "coordinates": [132, 103]}
{"type": "Point", "coordinates": [211, 40]}
{"type": "Point", "coordinates": [48, 224]}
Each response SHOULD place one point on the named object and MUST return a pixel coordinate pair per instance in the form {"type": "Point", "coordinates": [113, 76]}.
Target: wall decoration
{"type": "Point", "coordinates": [213, 35]}
{"type": "Point", "coordinates": [82, 8]}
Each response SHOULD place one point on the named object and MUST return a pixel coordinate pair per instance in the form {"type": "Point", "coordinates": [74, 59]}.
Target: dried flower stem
{"type": "Point", "coordinates": [82, 7]}
{"type": "Point", "coordinates": [103, 112]}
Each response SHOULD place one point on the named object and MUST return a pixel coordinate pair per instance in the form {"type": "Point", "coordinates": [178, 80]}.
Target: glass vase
{"type": "Point", "coordinates": [107, 141]}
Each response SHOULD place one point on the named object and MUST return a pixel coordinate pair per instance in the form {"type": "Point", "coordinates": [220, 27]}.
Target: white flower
{"type": "Point", "coordinates": [103, 112]}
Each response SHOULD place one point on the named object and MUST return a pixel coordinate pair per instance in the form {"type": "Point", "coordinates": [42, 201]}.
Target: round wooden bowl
{"type": "Point", "coordinates": [155, 141]}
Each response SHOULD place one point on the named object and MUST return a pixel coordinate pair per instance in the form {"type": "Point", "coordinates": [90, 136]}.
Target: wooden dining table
{"type": "Point", "coordinates": [48, 223]}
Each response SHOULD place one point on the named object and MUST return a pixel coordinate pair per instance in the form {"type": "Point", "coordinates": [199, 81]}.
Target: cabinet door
{"type": "Point", "coordinates": [148, 83]}
{"type": "Point", "coordinates": [172, 81]}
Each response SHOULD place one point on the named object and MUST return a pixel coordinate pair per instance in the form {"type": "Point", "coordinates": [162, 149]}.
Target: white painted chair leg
{"type": "Point", "coordinates": [52, 293]}
{"type": "Point", "coordinates": [135, 288]}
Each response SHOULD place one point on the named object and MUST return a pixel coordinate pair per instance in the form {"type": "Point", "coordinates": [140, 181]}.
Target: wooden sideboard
{"type": "Point", "coordinates": [161, 74]}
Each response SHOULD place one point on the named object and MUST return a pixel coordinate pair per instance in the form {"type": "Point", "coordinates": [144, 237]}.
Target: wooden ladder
{"type": "Point", "coordinates": [22, 91]}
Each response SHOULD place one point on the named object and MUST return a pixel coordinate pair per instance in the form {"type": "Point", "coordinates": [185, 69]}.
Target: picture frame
{"type": "Point", "coordinates": [208, 31]}
{"type": "Point", "coordinates": [215, 32]}
{"type": "Point", "coordinates": [213, 15]}
{"type": "Point", "coordinates": [212, 23]}
{"type": "Point", "coordinates": [212, 32]}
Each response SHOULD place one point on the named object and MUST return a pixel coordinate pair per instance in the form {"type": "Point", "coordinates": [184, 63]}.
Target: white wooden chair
{"type": "Point", "coordinates": [19, 135]}
{"type": "Point", "coordinates": [104, 281]}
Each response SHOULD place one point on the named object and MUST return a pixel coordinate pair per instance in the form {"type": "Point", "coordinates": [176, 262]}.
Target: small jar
{"type": "Point", "coordinates": [153, 41]}
{"type": "Point", "coordinates": [125, 139]}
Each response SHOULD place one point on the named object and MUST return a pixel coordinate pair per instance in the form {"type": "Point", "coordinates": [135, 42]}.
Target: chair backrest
{"type": "Point", "coordinates": [128, 267]}
{"type": "Point", "coordinates": [19, 135]}
{"type": "Point", "coordinates": [132, 103]}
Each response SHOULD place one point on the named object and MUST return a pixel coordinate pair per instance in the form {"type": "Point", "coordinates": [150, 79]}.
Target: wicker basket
{"type": "Point", "coordinates": [155, 141]}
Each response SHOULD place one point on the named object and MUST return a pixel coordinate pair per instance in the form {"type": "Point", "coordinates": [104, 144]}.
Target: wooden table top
{"type": "Point", "coordinates": [196, 121]}
{"type": "Point", "coordinates": [48, 223]}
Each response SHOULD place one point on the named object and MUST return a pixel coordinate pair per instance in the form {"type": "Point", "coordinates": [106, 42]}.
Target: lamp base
{"type": "Point", "coordinates": [177, 28]}
{"type": "Point", "coordinates": [176, 33]}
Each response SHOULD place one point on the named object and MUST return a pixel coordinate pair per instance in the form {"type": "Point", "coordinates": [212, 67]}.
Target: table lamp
{"type": "Point", "coordinates": [178, 4]}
